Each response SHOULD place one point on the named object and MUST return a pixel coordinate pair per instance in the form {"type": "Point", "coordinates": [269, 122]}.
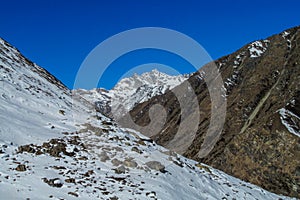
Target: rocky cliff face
{"type": "Point", "coordinates": [260, 141]}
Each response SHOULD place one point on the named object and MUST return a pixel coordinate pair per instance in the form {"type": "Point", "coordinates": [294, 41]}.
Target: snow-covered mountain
{"type": "Point", "coordinates": [54, 146]}
{"type": "Point", "coordinates": [131, 91]}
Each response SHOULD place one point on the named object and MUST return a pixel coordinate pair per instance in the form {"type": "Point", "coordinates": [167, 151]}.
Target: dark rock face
{"type": "Point", "coordinates": [21, 168]}
{"type": "Point", "coordinates": [104, 108]}
{"type": "Point", "coordinates": [259, 141]}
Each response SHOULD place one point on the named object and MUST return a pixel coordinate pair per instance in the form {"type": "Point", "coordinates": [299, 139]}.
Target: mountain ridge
{"type": "Point", "coordinates": [130, 91]}
{"type": "Point", "coordinates": [261, 83]}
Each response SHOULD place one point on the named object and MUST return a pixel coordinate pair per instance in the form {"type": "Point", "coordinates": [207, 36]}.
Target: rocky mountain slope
{"type": "Point", "coordinates": [53, 145]}
{"type": "Point", "coordinates": [260, 140]}
{"type": "Point", "coordinates": [130, 91]}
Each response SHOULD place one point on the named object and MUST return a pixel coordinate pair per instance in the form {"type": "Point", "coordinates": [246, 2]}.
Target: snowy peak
{"type": "Point", "coordinates": [153, 78]}
{"type": "Point", "coordinates": [130, 91]}
{"type": "Point", "coordinates": [140, 88]}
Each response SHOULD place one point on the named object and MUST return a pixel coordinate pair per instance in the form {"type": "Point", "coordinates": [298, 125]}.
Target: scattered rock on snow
{"type": "Point", "coordinates": [116, 162]}
{"type": "Point", "coordinates": [136, 150]}
{"type": "Point", "coordinates": [120, 170]}
{"type": "Point", "coordinates": [155, 165]}
{"type": "Point", "coordinates": [104, 157]}
{"type": "Point", "coordinates": [56, 182]}
{"type": "Point", "coordinates": [21, 168]}
{"type": "Point", "coordinates": [73, 194]}
{"type": "Point", "coordinates": [130, 163]}
{"type": "Point", "coordinates": [70, 180]}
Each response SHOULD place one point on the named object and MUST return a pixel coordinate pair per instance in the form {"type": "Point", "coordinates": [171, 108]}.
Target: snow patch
{"type": "Point", "coordinates": [257, 48]}
{"type": "Point", "coordinates": [285, 34]}
{"type": "Point", "coordinates": [289, 120]}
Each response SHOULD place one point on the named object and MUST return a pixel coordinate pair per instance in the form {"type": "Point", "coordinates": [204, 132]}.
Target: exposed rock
{"type": "Point", "coordinates": [88, 173]}
{"type": "Point", "coordinates": [199, 165]}
{"type": "Point", "coordinates": [26, 148]}
{"type": "Point", "coordinates": [62, 112]}
{"type": "Point", "coordinates": [104, 108]}
{"type": "Point", "coordinates": [70, 180]}
{"type": "Point", "coordinates": [120, 170]}
{"type": "Point", "coordinates": [73, 194]}
{"type": "Point", "coordinates": [58, 167]}
{"type": "Point", "coordinates": [104, 157]}
{"type": "Point", "coordinates": [21, 168]}
{"type": "Point", "coordinates": [89, 127]}
{"type": "Point", "coordinates": [136, 150]}
{"type": "Point", "coordinates": [155, 165]}
{"type": "Point", "coordinates": [56, 182]}
{"type": "Point", "coordinates": [130, 163]}
{"type": "Point", "coordinates": [141, 142]}
{"type": "Point", "coordinates": [116, 162]}
{"type": "Point", "coordinates": [55, 147]}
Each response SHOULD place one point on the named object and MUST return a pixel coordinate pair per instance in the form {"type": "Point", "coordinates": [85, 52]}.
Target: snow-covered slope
{"type": "Point", "coordinates": [114, 163]}
{"type": "Point", "coordinates": [131, 91]}
{"type": "Point", "coordinates": [53, 146]}
{"type": "Point", "coordinates": [32, 100]}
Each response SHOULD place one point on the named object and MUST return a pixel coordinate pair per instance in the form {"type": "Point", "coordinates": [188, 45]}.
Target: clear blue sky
{"type": "Point", "coordinates": [58, 34]}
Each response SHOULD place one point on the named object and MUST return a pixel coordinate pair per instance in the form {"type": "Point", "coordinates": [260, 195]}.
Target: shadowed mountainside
{"type": "Point", "coordinates": [260, 141]}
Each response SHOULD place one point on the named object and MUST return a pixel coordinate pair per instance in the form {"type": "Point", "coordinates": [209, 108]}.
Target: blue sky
{"type": "Point", "coordinates": [59, 34]}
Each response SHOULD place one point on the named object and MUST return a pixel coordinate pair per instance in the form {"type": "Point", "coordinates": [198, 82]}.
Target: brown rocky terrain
{"type": "Point", "coordinates": [260, 140]}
